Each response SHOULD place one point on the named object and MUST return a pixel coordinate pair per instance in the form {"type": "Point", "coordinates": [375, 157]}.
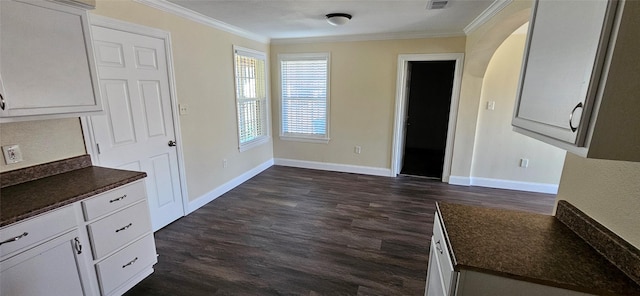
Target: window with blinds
{"type": "Point", "coordinates": [251, 97]}
{"type": "Point", "coordinates": [304, 96]}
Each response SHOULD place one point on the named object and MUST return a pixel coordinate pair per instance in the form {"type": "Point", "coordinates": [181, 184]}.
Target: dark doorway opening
{"type": "Point", "coordinates": [429, 104]}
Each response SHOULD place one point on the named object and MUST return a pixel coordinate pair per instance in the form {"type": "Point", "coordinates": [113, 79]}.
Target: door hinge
{"type": "Point", "coordinates": [98, 147]}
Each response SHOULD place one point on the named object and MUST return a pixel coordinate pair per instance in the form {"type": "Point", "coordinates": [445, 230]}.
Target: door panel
{"type": "Point", "coordinates": [138, 124]}
{"type": "Point", "coordinates": [152, 99]}
{"type": "Point", "coordinates": [118, 107]}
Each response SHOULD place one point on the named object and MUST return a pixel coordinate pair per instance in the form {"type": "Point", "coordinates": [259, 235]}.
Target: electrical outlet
{"type": "Point", "coordinates": [491, 105]}
{"type": "Point", "coordinates": [184, 109]}
{"type": "Point", "coordinates": [524, 163]}
{"type": "Point", "coordinates": [12, 154]}
{"type": "Point", "coordinates": [224, 163]}
{"type": "Point", "coordinates": [357, 149]}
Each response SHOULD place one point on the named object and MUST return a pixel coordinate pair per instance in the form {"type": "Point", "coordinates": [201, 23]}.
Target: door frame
{"type": "Point", "coordinates": [87, 128]}
{"type": "Point", "coordinates": [401, 107]}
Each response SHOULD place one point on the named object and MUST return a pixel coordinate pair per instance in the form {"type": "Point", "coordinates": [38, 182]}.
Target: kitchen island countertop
{"type": "Point", "coordinates": [529, 247]}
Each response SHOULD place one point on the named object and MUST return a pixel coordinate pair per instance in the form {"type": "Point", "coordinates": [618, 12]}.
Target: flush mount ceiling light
{"type": "Point", "coordinates": [338, 19]}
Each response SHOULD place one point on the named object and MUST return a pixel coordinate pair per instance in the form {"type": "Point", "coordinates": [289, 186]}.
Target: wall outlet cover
{"type": "Point", "coordinates": [12, 154]}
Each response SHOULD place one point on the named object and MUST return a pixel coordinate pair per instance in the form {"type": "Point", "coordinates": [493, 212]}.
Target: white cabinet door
{"type": "Point", "coordinates": [562, 65]}
{"type": "Point", "coordinates": [46, 60]}
{"type": "Point", "coordinates": [48, 269]}
{"type": "Point", "coordinates": [435, 282]}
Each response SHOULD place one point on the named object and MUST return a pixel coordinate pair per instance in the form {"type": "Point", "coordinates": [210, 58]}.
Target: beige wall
{"type": "Point", "coordinates": [480, 46]}
{"type": "Point", "coordinates": [498, 149]}
{"type": "Point", "coordinates": [203, 62]}
{"type": "Point", "coordinates": [363, 93]}
{"type": "Point", "coordinates": [42, 141]}
{"type": "Point", "coordinates": [606, 190]}
{"type": "Point", "coordinates": [609, 191]}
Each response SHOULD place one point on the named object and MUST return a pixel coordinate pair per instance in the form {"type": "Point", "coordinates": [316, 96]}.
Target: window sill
{"type": "Point", "coordinates": [305, 139]}
{"type": "Point", "coordinates": [254, 143]}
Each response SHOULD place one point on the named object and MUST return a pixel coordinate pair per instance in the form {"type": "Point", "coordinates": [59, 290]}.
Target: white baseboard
{"type": "Point", "coordinates": [224, 188]}
{"type": "Point", "coordinates": [504, 184]}
{"type": "Point", "coordinates": [457, 180]}
{"type": "Point", "coordinates": [335, 167]}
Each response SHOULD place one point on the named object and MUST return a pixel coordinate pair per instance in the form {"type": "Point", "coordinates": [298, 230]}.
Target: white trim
{"type": "Point", "coordinates": [106, 22]}
{"type": "Point", "coordinates": [316, 56]}
{"type": "Point", "coordinates": [401, 108]}
{"type": "Point", "coordinates": [458, 180]}
{"type": "Point", "coordinates": [191, 15]}
{"type": "Point", "coordinates": [258, 55]}
{"type": "Point", "coordinates": [224, 188]}
{"type": "Point", "coordinates": [322, 140]}
{"type": "Point", "coordinates": [486, 15]}
{"type": "Point", "coordinates": [505, 184]}
{"type": "Point", "coordinates": [89, 142]}
{"type": "Point", "coordinates": [334, 167]}
{"type": "Point", "coordinates": [366, 37]}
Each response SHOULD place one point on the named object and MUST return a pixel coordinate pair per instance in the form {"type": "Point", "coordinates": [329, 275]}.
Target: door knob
{"type": "Point", "coordinates": [172, 143]}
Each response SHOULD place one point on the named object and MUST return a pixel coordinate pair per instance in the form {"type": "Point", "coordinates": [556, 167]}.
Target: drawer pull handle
{"type": "Point", "coordinates": [574, 128]}
{"type": "Point", "coordinates": [13, 239]}
{"type": "Point", "coordinates": [78, 245]}
{"type": "Point", "coordinates": [438, 247]}
{"type": "Point", "coordinates": [2, 105]}
{"type": "Point", "coordinates": [124, 227]}
{"type": "Point", "coordinates": [117, 199]}
{"type": "Point", "coordinates": [130, 262]}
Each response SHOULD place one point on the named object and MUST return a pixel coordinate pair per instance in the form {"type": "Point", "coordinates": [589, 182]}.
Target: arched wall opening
{"type": "Point", "coordinates": [503, 158]}
{"type": "Point", "coordinates": [481, 45]}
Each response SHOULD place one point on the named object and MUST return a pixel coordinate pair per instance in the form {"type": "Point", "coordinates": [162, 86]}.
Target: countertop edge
{"type": "Point", "coordinates": [611, 246]}
{"type": "Point", "coordinates": [71, 199]}
{"type": "Point", "coordinates": [458, 267]}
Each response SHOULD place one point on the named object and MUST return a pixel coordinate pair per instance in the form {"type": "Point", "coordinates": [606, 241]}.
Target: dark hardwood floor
{"type": "Point", "coordinates": [292, 231]}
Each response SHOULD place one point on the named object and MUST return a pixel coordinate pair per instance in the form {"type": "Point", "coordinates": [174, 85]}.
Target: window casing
{"type": "Point", "coordinates": [250, 69]}
{"type": "Point", "coordinates": [304, 97]}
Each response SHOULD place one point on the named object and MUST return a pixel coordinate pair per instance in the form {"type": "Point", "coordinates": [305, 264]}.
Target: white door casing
{"type": "Point", "coordinates": [401, 108]}
{"type": "Point", "coordinates": [136, 84]}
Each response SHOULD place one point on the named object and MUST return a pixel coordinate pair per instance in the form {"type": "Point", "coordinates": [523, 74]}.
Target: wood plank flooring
{"type": "Point", "coordinates": [291, 231]}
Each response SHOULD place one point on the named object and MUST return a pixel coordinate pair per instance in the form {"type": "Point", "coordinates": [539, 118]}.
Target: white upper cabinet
{"type": "Point", "coordinates": [576, 51]}
{"type": "Point", "coordinates": [46, 61]}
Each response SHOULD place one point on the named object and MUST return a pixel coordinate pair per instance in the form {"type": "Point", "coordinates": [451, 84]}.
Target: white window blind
{"type": "Point", "coordinates": [305, 100]}
{"type": "Point", "coordinates": [251, 97]}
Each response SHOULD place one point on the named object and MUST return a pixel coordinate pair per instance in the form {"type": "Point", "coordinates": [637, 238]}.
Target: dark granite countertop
{"type": "Point", "coordinates": [25, 200]}
{"type": "Point", "coordinates": [530, 247]}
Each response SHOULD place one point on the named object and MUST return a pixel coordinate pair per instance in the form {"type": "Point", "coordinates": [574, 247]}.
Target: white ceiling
{"type": "Point", "coordinates": [284, 19]}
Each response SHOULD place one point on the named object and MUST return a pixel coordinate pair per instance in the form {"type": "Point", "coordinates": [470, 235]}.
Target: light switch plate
{"type": "Point", "coordinates": [12, 154]}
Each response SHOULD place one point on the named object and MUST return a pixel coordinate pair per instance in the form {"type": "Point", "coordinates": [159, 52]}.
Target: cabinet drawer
{"type": "Point", "coordinates": [442, 254]}
{"type": "Point", "coordinates": [35, 230]}
{"type": "Point", "coordinates": [113, 200]}
{"type": "Point", "coordinates": [123, 265]}
{"type": "Point", "coordinates": [118, 229]}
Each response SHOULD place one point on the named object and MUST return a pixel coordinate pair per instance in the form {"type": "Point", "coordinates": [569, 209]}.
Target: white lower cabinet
{"type": "Point", "coordinates": [62, 252]}
{"type": "Point", "coordinates": [122, 244]}
{"type": "Point", "coordinates": [442, 279]}
{"type": "Point", "coordinates": [45, 259]}
{"type": "Point", "coordinates": [123, 266]}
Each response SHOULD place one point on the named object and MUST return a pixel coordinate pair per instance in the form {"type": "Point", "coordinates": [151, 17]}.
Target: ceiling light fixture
{"type": "Point", "coordinates": [338, 19]}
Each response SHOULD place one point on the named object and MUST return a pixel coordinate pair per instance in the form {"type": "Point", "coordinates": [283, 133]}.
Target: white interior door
{"type": "Point", "coordinates": [136, 131]}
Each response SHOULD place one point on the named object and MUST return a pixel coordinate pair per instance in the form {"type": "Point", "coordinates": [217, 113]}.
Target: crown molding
{"type": "Point", "coordinates": [180, 11]}
{"type": "Point", "coordinates": [365, 37]}
{"type": "Point", "coordinates": [486, 15]}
